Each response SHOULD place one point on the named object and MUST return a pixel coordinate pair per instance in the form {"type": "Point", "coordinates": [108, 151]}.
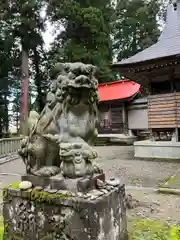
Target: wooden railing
{"type": "Point", "coordinates": [9, 145]}
{"type": "Point", "coordinates": [164, 111]}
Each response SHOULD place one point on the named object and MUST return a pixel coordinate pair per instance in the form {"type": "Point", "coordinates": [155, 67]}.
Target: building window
{"type": "Point", "coordinates": [161, 87]}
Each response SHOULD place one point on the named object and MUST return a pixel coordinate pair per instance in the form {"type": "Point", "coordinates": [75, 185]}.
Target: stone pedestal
{"type": "Point", "coordinates": [38, 215]}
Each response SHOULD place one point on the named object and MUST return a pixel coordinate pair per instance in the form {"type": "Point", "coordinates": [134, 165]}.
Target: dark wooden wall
{"type": "Point", "coordinates": [114, 123]}
{"type": "Point", "coordinates": [164, 111]}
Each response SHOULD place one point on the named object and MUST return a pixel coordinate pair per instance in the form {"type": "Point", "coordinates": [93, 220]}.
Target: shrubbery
{"type": "Point", "coordinates": [154, 230]}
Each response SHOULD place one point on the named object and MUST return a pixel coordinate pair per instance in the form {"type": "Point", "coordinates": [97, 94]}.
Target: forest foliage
{"type": "Point", "coordinates": [92, 31]}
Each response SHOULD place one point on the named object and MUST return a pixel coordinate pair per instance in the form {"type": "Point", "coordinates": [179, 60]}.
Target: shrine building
{"type": "Point", "coordinates": [157, 69]}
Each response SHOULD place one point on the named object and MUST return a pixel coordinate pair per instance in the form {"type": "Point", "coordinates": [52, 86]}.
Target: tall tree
{"type": "Point", "coordinates": [87, 33]}
{"type": "Point", "coordinates": [136, 26]}
{"type": "Point", "coordinates": [7, 59]}
{"type": "Point", "coordinates": [14, 112]}
{"type": "Point", "coordinates": [27, 25]}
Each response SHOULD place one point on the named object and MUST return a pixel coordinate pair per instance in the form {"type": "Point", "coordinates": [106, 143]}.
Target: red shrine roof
{"type": "Point", "coordinates": [118, 90]}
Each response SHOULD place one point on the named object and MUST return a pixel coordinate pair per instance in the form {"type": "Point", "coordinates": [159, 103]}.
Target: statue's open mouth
{"type": "Point", "coordinates": [81, 94]}
{"type": "Point", "coordinates": [81, 89]}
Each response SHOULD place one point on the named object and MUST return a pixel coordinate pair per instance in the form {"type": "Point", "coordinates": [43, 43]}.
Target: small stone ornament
{"type": "Point", "coordinates": [24, 185]}
{"type": "Point", "coordinates": [52, 190]}
{"type": "Point", "coordinates": [100, 184]}
{"type": "Point", "coordinates": [113, 182]}
{"type": "Point", "coordinates": [109, 188]}
{"type": "Point", "coordinates": [38, 188]}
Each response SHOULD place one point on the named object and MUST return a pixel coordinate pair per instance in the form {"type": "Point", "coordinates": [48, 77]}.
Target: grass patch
{"type": "Point", "coordinates": [154, 230]}
{"type": "Point", "coordinates": [172, 182]}
{"type": "Point", "coordinates": [1, 228]}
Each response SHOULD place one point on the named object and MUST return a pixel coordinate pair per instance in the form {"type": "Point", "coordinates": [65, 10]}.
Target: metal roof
{"type": "Point", "coordinates": [118, 90]}
{"type": "Point", "coordinates": [168, 43]}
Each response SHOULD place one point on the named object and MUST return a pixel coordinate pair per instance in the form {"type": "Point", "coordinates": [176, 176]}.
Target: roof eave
{"type": "Point", "coordinates": [121, 99]}
{"type": "Point", "coordinates": [143, 63]}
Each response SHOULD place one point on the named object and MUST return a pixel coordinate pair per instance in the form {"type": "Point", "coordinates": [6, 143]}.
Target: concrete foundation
{"type": "Point", "coordinates": [117, 138]}
{"type": "Point", "coordinates": [157, 150]}
{"type": "Point", "coordinates": [38, 215]}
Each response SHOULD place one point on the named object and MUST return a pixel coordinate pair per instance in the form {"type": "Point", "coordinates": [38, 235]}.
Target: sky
{"type": "Point", "coordinates": [48, 35]}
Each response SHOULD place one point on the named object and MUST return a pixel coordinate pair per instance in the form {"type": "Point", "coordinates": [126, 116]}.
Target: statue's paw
{"type": "Point", "coordinates": [54, 138]}
{"type": "Point", "coordinates": [97, 169]}
{"type": "Point", "coordinates": [22, 152]}
{"type": "Point", "coordinates": [47, 171]}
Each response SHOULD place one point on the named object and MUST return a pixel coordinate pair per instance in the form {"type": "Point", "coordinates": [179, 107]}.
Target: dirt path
{"type": "Point", "coordinates": [117, 161]}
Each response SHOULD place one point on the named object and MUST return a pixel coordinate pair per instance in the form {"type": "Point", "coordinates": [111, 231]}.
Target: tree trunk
{"type": "Point", "coordinates": [24, 93]}
{"type": "Point", "coordinates": [6, 116]}
{"type": "Point", "coordinates": [38, 82]}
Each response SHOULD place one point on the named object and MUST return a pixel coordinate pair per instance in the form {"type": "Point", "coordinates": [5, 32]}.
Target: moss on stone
{"type": "Point", "coordinates": [5, 193]}
{"type": "Point", "coordinates": [154, 230]}
{"type": "Point", "coordinates": [36, 195]}
{"type": "Point", "coordinates": [5, 189]}
{"type": "Point", "coordinates": [14, 185]}
{"type": "Point", "coordinates": [41, 196]}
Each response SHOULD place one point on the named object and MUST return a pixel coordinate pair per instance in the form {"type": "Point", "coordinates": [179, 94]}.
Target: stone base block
{"type": "Point", "coordinates": [157, 150]}
{"type": "Point", "coordinates": [38, 215]}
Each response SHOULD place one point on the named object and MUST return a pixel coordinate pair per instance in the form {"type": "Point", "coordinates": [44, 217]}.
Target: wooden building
{"type": "Point", "coordinates": [157, 69]}
{"type": "Point", "coordinates": [113, 108]}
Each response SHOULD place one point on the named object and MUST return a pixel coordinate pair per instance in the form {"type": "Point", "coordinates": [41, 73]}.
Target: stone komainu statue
{"type": "Point", "coordinates": [60, 137]}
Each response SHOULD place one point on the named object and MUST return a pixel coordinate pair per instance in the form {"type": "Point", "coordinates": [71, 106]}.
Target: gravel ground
{"type": "Point", "coordinates": [154, 206]}
{"type": "Point", "coordinates": [118, 161]}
